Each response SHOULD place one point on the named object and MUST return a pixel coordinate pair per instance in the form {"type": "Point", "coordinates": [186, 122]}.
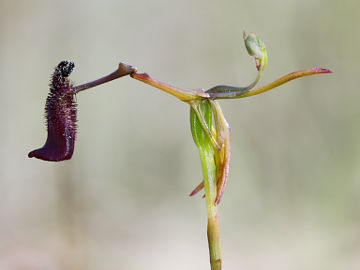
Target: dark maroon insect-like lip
{"type": "Point", "coordinates": [60, 112]}
{"type": "Point", "coordinates": [57, 148]}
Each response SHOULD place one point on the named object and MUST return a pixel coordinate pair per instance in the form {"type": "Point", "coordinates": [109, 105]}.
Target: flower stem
{"type": "Point", "coordinates": [213, 230]}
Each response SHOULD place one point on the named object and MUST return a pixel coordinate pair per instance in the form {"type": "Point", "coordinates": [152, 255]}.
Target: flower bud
{"type": "Point", "coordinates": [256, 48]}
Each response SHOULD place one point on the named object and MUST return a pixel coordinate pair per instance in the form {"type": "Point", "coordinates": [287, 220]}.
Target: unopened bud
{"type": "Point", "coordinates": [256, 48]}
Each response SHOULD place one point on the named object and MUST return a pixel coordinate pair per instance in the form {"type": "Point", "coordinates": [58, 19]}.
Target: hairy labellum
{"type": "Point", "coordinates": [60, 112]}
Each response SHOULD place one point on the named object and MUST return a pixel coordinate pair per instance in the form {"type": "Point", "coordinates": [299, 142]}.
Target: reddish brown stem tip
{"type": "Point", "coordinates": [321, 70]}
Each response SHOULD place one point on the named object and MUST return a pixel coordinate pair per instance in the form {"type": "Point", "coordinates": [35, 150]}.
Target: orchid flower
{"type": "Point", "coordinates": [209, 128]}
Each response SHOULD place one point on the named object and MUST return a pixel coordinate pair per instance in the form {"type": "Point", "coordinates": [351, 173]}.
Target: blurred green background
{"type": "Point", "coordinates": [121, 202]}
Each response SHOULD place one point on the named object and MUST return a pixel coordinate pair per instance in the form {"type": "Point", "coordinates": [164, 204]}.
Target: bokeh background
{"type": "Point", "coordinates": [121, 202]}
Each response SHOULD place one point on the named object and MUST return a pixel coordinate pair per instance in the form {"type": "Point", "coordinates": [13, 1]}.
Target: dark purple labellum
{"type": "Point", "coordinates": [60, 112]}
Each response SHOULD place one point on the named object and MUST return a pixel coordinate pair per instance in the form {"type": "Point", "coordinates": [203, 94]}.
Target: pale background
{"type": "Point", "coordinates": [293, 197]}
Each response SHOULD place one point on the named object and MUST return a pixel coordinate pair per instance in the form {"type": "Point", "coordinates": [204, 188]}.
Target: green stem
{"type": "Point", "coordinates": [213, 229]}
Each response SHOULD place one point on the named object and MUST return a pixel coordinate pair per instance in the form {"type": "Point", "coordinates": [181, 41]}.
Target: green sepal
{"type": "Point", "coordinates": [200, 137]}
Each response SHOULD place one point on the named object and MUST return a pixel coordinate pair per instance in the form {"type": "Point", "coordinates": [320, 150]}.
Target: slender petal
{"type": "Point", "coordinates": [172, 90]}
{"type": "Point", "coordinates": [272, 85]}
